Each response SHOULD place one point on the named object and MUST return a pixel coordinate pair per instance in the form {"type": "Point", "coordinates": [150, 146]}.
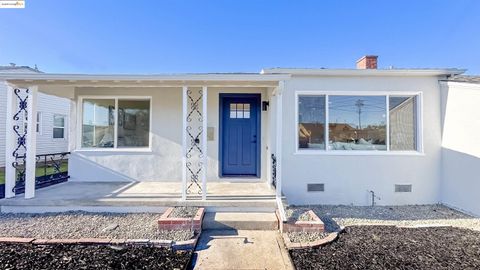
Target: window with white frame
{"type": "Point", "coordinates": [38, 127]}
{"type": "Point", "coordinates": [239, 110]}
{"type": "Point", "coordinates": [39, 123]}
{"type": "Point", "coordinates": [357, 122]}
{"type": "Point", "coordinates": [58, 126]}
{"type": "Point", "coordinates": [105, 126]}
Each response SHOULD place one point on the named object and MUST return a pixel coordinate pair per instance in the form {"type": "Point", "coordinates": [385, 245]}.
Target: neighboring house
{"type": "Point", "coordinates": [384, 131]}
{"type": "Point", "coordinates": [52, 117]}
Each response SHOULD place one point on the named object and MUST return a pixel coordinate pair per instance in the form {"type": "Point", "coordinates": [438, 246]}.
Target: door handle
{"type": "Point", "coordinates": [254, 139]}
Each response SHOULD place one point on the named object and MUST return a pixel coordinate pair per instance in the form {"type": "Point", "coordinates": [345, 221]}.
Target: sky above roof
{"type": "Point", "coordinates": [112, 36]}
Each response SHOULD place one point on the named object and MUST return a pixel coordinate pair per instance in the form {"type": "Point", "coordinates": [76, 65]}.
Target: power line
{"type": "Point", "coordinates": [359, 103]}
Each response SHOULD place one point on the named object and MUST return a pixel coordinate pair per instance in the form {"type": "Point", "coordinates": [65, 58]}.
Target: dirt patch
{"type": "Point", "coordinates": [27, 256]}
{"type": "Point", "coordinates": [389, 247]}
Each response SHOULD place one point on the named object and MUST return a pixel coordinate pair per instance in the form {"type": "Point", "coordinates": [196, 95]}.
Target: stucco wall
{"type": "Point", "coordinates": [163, 162]}
{"type": "Point", "coordinates": [347, 179]}
{"type": "Point", "coordinates": [461, 147]}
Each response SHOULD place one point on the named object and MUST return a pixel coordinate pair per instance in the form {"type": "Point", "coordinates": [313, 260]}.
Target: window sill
{"type": "Point", "coordinates": [356, 153]}
{"type": "Point", "coordinates": [115, 150]}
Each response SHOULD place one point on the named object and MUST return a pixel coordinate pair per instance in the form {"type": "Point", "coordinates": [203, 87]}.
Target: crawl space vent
{"type": "Point", "coordinates": [315, 187]}
{"type": "Point", "coordinates": [403, 188]}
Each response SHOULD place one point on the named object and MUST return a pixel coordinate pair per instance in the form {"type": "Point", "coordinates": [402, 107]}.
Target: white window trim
{"type": "Point", "coordinates": [39, 122]}
{"type": "Point", "coordinates": [24, 122]}
{"type": "Point", "coordinates": [79, 147]}
{"type": "Point", "coordinates": [388, 152]}
{"type": "Point", "coordinates": [64, 126]}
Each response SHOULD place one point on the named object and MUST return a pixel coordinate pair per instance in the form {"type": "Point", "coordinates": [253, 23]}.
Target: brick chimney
{"type": "Point", "coordinates": [367, 62]}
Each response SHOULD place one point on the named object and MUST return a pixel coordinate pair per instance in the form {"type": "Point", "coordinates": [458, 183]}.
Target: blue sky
{"type": "Point", "coordinates": [141, 36]}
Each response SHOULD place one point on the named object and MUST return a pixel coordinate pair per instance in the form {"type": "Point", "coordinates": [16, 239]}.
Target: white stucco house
{"type": "Point", "coordinates": [312, 136]}
{"type": "Point", "coordinates": [52, 117]}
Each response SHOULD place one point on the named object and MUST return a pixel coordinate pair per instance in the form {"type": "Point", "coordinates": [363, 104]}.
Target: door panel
{"type": "Point", "coordinates": [240, 123]}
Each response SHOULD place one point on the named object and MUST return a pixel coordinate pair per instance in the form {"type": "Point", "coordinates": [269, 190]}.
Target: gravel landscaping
{"type": "Point", "coordinates": [27, 256]}
{"type": "Point", "coordinates": [184, 212]}
{"type": "Point", "coordinates": [297, 214]}
{"type": "Point", "coordinates": [336, 216]}
{"type": "Point", "coordinates": [304, 237]}
{"type": "Point", "coordinates": [88, 225]}
{"type": "Point", "coordinates": [391, 247]}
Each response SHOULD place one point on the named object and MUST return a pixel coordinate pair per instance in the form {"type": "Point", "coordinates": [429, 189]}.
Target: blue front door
{"type": "Point", "coordinates": [239, 131]}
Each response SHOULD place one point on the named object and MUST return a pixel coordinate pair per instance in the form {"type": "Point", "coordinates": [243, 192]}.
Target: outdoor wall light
{"type": "Point", "coordinates": [265, 105]}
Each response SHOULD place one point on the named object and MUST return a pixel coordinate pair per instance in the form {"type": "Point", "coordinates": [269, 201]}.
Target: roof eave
{"type": "Point", "coordinates": [122, 77]}
{"type": "Point", "coordinates": [364, 72]}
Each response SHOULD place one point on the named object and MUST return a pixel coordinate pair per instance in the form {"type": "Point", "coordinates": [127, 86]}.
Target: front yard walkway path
{"type": "Point", "coordinates": [242, 249]}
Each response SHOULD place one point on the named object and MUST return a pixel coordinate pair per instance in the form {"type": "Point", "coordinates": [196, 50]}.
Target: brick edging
{"type": "Point", "coordinates": [176, 245]}
{"type": "Point", "coordinates": [314, 225]}
{"type": "Point", "coordinates": [165, 222]}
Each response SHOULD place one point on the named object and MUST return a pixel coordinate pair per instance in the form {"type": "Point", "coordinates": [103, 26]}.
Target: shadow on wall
{"type": "Point", "coordinates": [79, 165]}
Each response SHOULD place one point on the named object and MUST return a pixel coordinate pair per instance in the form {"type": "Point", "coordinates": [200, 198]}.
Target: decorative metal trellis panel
{"type": "Point", "coordinates": [55, 169]}
{"type": "Point", "coordinates": [20, 152]}
{"type": "Point", "coordinates": [54, 165]}
{"type": "Point", "coordinates": [194, 132]}
{"type": "Point", "coordinates": [51, 169]}
{"type": "Point", "coordinates": [274, 170]}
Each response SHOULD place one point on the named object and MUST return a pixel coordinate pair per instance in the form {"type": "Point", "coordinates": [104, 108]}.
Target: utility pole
{"type": "Point", "coordinates": [359, 105]}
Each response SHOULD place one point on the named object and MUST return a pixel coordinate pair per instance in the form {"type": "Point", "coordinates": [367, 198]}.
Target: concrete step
{"type": "Point", "coordinates": [39, 206]}
{"type": "Point", "coordinates": [239, 221]}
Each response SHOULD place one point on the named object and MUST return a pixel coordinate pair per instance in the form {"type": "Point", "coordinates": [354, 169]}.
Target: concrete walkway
{"type": "Point", "coordinates": [232, 249]}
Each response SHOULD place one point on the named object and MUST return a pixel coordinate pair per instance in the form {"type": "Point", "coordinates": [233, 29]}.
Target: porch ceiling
{"type": "Point", "coordinates": [111, 80]}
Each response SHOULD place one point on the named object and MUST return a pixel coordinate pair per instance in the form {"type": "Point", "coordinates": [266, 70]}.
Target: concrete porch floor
{"type": "Point", "coordinates": [142, 197]}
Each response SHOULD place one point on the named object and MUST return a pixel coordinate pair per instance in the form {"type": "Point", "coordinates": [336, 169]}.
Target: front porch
{"type": "Point", "coordinates": [142, 197]}
{"type": "Point", "coordinates": [144, 143]}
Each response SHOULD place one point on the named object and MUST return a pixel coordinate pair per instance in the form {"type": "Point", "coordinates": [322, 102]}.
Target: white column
{"type": "Point", "coordinates": [184, 142]}
{"type": "Point", "coordinates": [269, 141]}
{"type": "Point", "coordinates": [31, 142]}
{"type": "Point", "coordinates": [204, 142]}
{"type": "Point", "coordinates": [10, 143]}
{"type": "Point", "coordinates": [72, 126]}
{"type": "Point", "coordinates": [279, 142]}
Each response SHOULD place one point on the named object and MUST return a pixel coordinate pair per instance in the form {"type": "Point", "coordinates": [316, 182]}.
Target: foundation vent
{"type": "Point", "coordinates": [315, 187]}
{"type": "Point", "coordinates": [403, 188]}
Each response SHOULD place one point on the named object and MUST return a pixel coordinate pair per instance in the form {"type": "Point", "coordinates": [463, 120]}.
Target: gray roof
{"type": "Point", "coordinates": [465, 78]}
{"type": "Point", "coordinates": [18, 69]}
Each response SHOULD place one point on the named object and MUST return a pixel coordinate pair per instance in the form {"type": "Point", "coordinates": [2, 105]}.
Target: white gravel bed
{"type": "Point", "coordinates": [297, 214]}
{"type": "Point", "coordinates": [304, 237]}
{"type": "Point", "coordinates": [336, 216]}
{"type": "Point", "coordinates": [72, 225]}
{"type": "Point", "coordinates": [184, 212]}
